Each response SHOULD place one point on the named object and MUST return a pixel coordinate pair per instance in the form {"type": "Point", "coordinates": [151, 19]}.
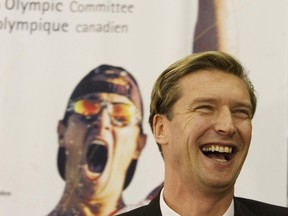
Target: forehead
{"type": "Point", "coordinates": [108, 97]}
{"type": "Point", "coordinates": [215, 84]}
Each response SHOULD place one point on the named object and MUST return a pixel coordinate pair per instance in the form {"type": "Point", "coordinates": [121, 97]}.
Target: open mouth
{"type": "Point", "coordinates": [219, 153]}
{"type": "Point", "coordinates": [97, 156]}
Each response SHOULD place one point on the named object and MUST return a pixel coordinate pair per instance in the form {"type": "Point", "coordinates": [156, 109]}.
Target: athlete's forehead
{"type": "Point", "coordinates": [107, 97]}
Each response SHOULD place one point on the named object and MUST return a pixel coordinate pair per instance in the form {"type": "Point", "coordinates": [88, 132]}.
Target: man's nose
{"type": "Point", "coordinates": [103, 120]}
{"type": "Point", "coordinates": [224, 123]}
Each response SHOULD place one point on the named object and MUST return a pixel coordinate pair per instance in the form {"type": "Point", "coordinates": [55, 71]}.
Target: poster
{"type": "Point", "coordinates": [47, 47]}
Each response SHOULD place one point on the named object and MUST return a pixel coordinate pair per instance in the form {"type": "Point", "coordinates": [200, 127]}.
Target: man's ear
{"type": "Point", "coordinates": [141, 142]}
{"type": "Point", "coordinates": [61, 128]}
{"type": "Point", "coordinates": [159, 129]}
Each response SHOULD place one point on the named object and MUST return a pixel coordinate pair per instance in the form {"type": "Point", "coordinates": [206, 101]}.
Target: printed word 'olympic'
{"type": "Point", "coordinates": [41, 6]}
{"type": "Point", "coordinates": [74, 6]}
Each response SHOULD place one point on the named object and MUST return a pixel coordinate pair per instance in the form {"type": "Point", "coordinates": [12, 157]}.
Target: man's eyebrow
{"type": "Point", "coordinates": [239, 103]}
{"type": "Point", "coordinates": [204, 100]}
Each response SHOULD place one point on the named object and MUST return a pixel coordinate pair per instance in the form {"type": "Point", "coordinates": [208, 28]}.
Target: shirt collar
{"type": "Point", "coordinates": [167, 211]}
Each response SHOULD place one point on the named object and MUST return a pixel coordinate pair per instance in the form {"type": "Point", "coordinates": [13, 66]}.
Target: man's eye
{"type": "Point", "coordinates": [242, 113]}
{"type": "Point", "coordinates": [205, 109]}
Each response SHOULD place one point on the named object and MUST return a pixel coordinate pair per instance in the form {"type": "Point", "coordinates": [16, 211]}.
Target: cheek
{"type": "Point", "coordinates": [74, 136]}
{"type": "Point", "coordinates": [183, 136]}
{"type": "Point", "coordinates": [191, 126]}
{"type": "Point", "coordinates": [126, 140]}
{"type": "Point", "coordinates": [245, 130]}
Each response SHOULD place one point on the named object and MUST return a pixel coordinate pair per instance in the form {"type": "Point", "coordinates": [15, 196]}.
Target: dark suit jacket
{"type": "Point", "coordinates": [242, 207]}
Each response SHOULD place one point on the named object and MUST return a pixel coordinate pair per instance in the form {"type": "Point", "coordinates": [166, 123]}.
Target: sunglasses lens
{"type": "Point", "coordinates": [123, 114]}
{"type": "Point", "coordinates": [86, 107]}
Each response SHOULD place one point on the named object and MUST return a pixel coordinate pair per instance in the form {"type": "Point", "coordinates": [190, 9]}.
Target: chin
{"type": "Point", "coordinates": [220, 184]}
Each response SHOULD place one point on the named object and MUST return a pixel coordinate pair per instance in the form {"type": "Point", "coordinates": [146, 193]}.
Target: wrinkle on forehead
{"type": "Point", "coordinates": [210, 81]}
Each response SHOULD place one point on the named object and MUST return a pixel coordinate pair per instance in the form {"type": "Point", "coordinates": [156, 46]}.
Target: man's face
{"type": "Point", "coordinates": [206, 142]}
{"type": "Point", "coordinates": [100, 143]}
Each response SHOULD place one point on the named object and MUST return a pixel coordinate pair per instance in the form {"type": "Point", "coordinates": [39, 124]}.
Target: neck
{"type": "Point", "coordinates": [192, 201]}
{"type": "Point", "coordinates": [73, 204]}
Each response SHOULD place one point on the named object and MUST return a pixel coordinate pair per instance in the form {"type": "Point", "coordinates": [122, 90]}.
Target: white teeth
{"type": "Point", "coordinates": [216, 148]}
{"type": "Point", "coordinates": [220, 160]}
{"type": "Point", "coordinates": [221, 149]}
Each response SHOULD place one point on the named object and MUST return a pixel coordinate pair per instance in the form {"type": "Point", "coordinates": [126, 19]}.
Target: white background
{"type": "Point", "coordinates": [38, 73]}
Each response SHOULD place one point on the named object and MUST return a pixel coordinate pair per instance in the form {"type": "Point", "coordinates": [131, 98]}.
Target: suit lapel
{"type": "Point", "coordinates": [241, 209]}
{"type": "Point", "coordinates": [153, 208]}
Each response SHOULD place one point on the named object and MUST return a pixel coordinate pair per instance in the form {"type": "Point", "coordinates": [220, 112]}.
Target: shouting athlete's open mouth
{"type": "Point", "coordinates": [97, 156]}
